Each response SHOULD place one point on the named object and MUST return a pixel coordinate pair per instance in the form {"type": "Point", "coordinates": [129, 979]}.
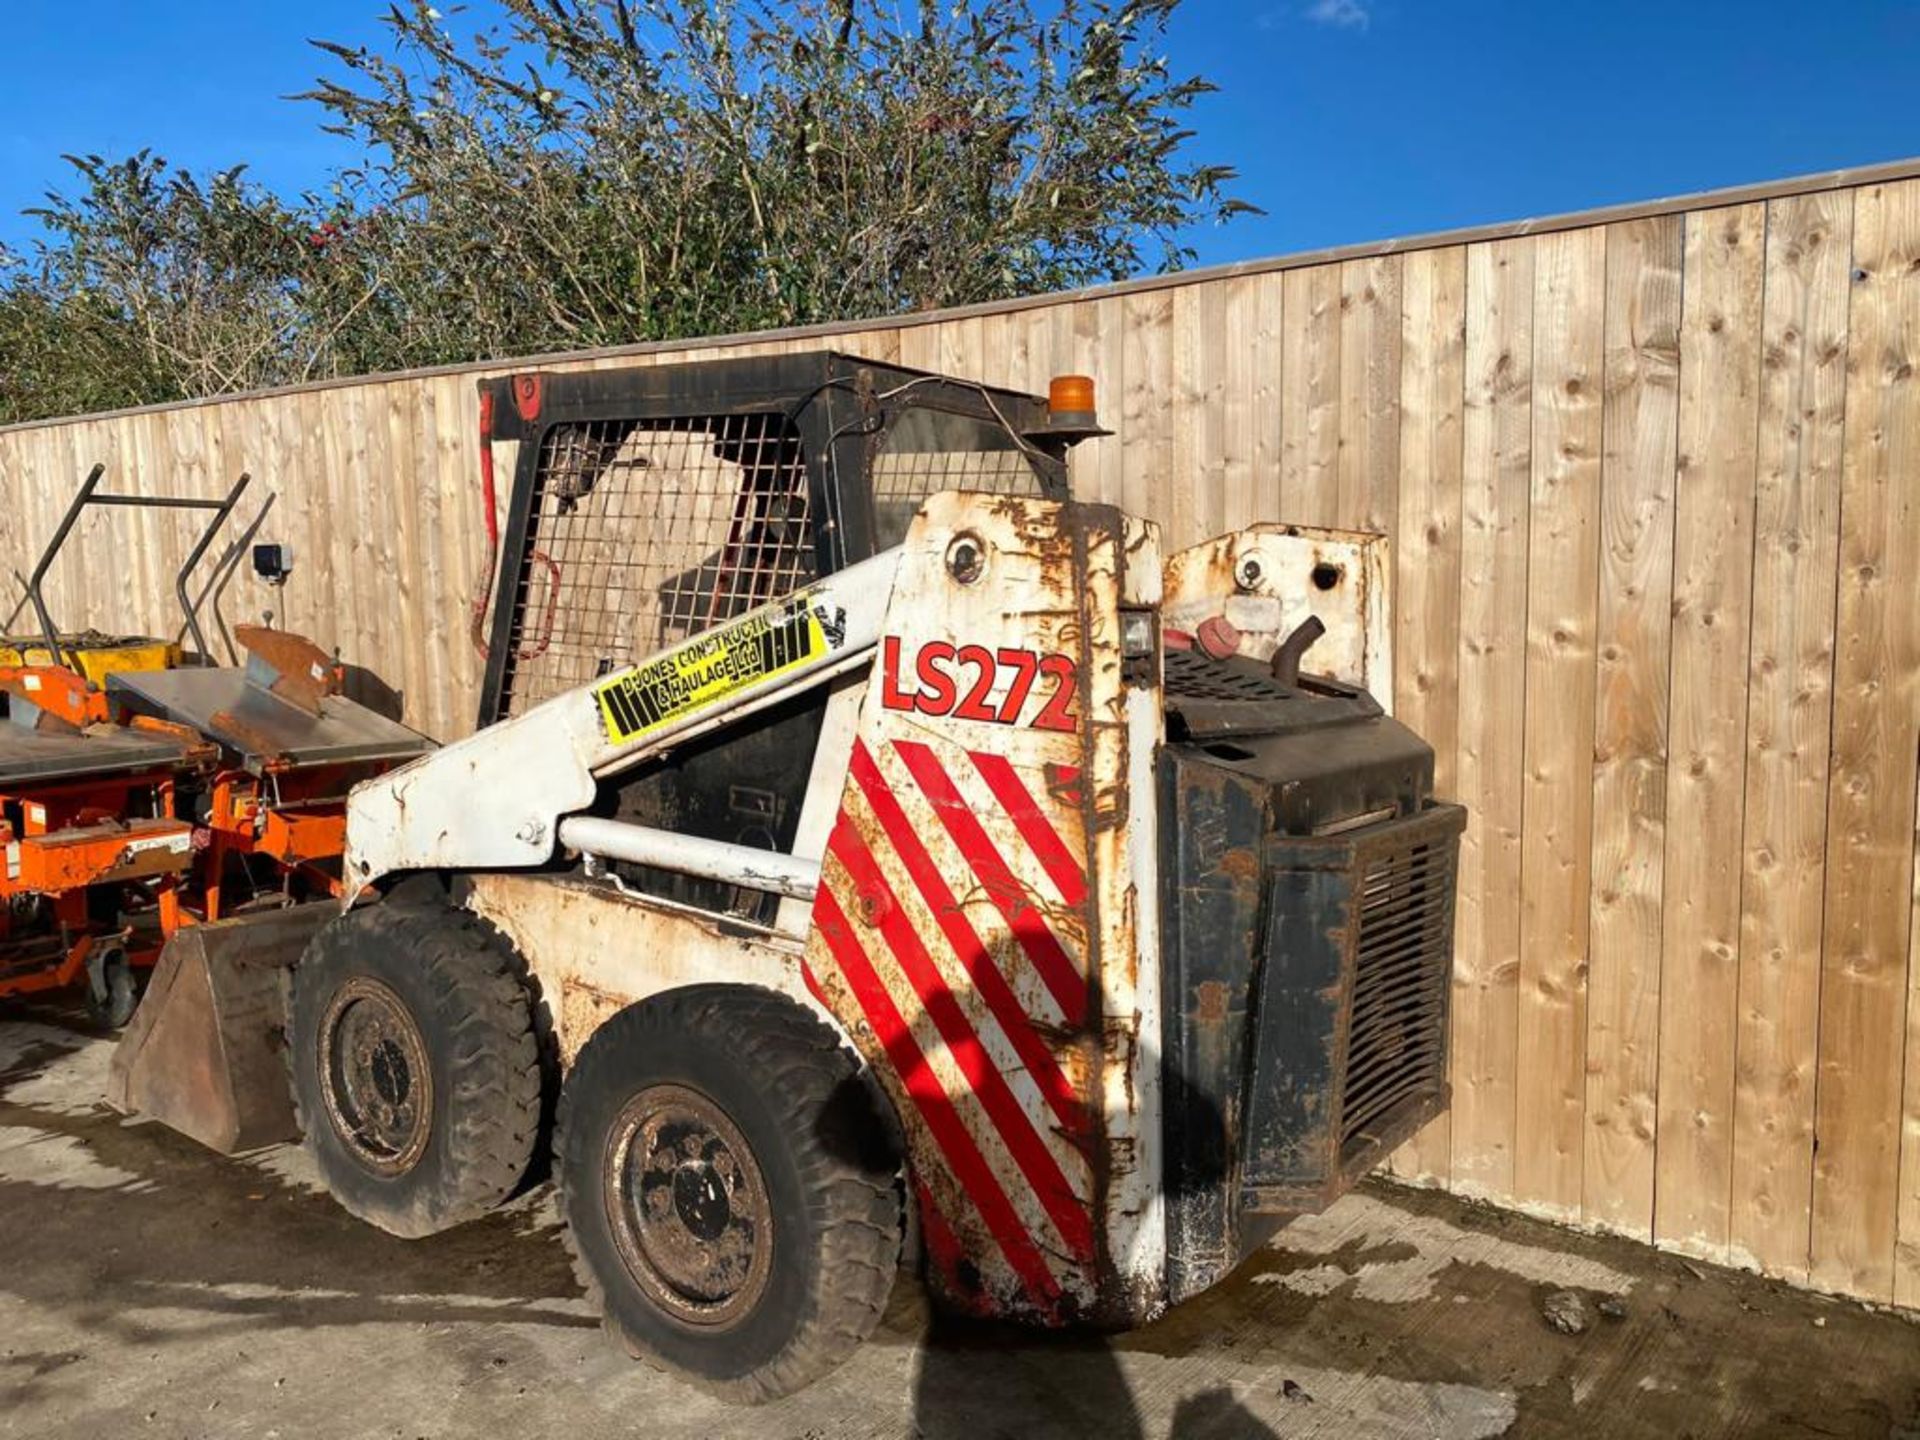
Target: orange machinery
{"type": "Point", "coordinates": [139, 795]}
{"type": "Point", "coordinates": [289, 745]}
{"type": "Point", "coordinates": [93, 848]}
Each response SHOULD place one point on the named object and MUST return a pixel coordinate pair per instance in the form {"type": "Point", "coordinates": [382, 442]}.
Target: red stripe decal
{"type": "Point", "coordinates": [966, 943]}
{"type": "Point", "coordinates": [1009, 896]}
{"type": "Point", "coordinates": [943, 1246]}
{"type": "Point", "coordinates": [983, 1077]}
{"type": "Point", "coordinates": [1063, 867]}
{"type": "Point", "coordinates": [969, 1167]}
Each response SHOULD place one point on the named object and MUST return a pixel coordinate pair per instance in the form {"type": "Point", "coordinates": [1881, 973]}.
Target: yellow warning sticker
{"type": "Point", "coordinates": [755, 648]}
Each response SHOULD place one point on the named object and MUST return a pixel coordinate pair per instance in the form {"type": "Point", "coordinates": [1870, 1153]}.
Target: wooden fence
{"type": "Point", "coordinates": [1654, 480]}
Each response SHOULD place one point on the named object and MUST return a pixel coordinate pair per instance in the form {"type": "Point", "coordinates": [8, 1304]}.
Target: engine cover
{"type": "Point", "coordinates": [1307, 922]}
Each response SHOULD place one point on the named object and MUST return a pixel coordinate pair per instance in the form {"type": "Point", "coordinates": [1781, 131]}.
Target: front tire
{"type": "Point", "coordinates": [731, 1189]}
{"type": "Point", "coordinates": [416, 1069]}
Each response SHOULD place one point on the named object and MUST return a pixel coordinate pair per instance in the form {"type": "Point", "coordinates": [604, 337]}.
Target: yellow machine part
{"type": "Point", "coordinates": [95, 656]}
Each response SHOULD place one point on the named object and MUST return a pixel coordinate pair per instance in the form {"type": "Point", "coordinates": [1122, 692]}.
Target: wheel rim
{"type": "Point", "coordinates": [378, 1085]}
{"type": "Point", "coordinates": [688, 1206]}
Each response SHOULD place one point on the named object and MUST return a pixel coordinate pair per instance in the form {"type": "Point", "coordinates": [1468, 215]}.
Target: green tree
{"type": "Point", "coordinates": [154, 284]}
{"type": "Point", "coordinates": [552, 174]}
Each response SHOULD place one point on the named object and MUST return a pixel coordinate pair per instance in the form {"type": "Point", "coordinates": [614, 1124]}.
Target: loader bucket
{"type": "Point", "coordinates": [205, 1052]}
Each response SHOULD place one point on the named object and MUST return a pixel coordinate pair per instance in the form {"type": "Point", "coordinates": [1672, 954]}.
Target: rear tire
{"type": "Point", "coordinates": [416, 1071]}
{"type": "Point", "coordinates": [731, 1189]}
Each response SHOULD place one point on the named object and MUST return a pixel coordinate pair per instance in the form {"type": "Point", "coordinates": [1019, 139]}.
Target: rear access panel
{"type": "Point", "coordinates": [1307, 924]}
{"type": "Point", "coordinates": [1349, 1044]}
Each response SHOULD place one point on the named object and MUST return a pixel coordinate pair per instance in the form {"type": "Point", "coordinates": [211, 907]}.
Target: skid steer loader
{"type": "Point", "coordinates": [868, 845]}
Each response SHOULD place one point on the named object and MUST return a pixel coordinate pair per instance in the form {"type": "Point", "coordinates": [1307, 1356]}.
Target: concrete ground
{"type": "Point", "coordinates": [149, 1288]}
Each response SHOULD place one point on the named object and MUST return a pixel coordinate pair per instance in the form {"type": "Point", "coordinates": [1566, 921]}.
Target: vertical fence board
{"type": "Point", "coordinates": [140, 468]}
{"type": "Point", "coordinates": [1712, 592]}
{"type": "Point", "coordinates": [283, 428]}
{"type": "Point", "coordinates": [384, 579]}
{"type": "Point", "coordinates": [229, 442]}
{"type": "Point", "coordinates": [1556, 852]}
{"type": "Point", "coordinates": [103, 542]}
{"type": "Point", "coordinates": [248, 597]}
{"type": "Point", "coordinates": [17, 489]}
{"type": "Point", "coordinates": [996, 363]}
{"type": "Point", "coordinates": [1426, 592]}
{"type": "Point", "coordinates": [1906, 1253]}
{"type": "Point", "coordinates": [456, 427]}
{"type": "Point", "coordinates": [412, 581]}
{"type": "Point", "coordinates": [1192, 409]}
{"type": "Point", "coordinates": [1310, 395]}
{"type": "Point", "coordinates": [196, 466]}
{"type": "Point", "coordinates": [1497, 433]}
{"type": "Point", "coordinates": [1864, 987]}
{"type": "Point", "coordinates": [441, 611]}
{"type": "Point", "coordinates": [1630, 720]}
{"type": "Point", "coordinates": [959, 347]}
{"type": "Point", "coordinates": [1235, 340]}
{"type": "Point", "coordinates": [349, 476]}
{"type": "Point", "coordinates": [1368, 458]}
{"type": "Point", "coordinates": [1207, 437]}
{"type": "Point", "coordinates": [1789, 715]}
{"type": "Point", "coordinates": [1267, 376]}
{"type": "Point", "coordinates": [1147, 371]}
{"type": "Point", "coordinates": [1088, 340]}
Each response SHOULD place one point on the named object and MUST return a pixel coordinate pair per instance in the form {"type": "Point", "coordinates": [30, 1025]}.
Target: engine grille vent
{"type": "Point", "coordinates": [1191, 675]}
{"type": "Point", "coordinates": [1396, 1033]}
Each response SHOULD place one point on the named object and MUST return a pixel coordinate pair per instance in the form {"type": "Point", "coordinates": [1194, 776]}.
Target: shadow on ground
{"type": "Point", "coordinates": [255, 1249]}
{"type": "Point", "coordinates": [1060, 1385]}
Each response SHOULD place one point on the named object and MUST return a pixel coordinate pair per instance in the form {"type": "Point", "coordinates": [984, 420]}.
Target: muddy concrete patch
{"type": "Point", "coordinates": [151, 1288]}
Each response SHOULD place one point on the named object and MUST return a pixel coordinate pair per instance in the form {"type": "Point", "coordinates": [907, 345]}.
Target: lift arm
{"type": "Point", "coordinates": [496, 799]}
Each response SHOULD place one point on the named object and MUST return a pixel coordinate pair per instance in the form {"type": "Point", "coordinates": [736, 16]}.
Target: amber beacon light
{"type": "Point", "coordinates": [1070, 400]}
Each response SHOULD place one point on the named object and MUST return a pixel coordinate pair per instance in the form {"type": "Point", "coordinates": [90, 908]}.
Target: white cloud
{"type": "Point", "coordinates": [1341, 14]}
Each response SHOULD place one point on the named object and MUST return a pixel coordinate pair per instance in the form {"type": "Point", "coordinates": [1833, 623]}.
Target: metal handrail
{"type": "Point", "coordinates": [89, 494]}
{"type": "Point", "coordinates": [223, 572]}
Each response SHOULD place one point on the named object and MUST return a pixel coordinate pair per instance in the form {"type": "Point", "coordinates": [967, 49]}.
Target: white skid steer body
{"type": "Point", "coordinates": [974, 898]}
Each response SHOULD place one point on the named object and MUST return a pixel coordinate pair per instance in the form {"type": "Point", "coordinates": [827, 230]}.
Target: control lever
{"type": "Point", "coordinates": [1286, 659]}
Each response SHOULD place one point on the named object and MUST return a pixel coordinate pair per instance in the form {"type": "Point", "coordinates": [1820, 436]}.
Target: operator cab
{"type": "Point", "coordinates": [651, 504]}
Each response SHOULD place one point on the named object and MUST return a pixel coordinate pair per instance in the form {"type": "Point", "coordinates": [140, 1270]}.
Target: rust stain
{"type": "Point", "coordinates": [1212, 1001]}
{"type": "Point", "coordinates": [232, 727]}
{"type": "Point", "coordinates": [306, 673]}
{"type": "Point", "coordinates": [583, 1010]}
{"type": "Point", "coordinates": [1239, 864]}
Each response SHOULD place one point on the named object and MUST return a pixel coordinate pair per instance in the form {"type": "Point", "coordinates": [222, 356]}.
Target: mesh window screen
{"type": "Point", "coordinates": [930, 450]}
{"type": "Point", "coordinates": [643, 533]}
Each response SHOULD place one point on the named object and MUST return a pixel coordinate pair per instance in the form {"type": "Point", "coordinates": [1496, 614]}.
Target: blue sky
{"type": "Point", "coordinates": [1350, 120]}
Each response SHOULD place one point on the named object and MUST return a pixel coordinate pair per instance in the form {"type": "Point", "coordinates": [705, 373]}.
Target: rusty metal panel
{"type": "Point", "coordinates": [594, 950]}
{"type": "Point", "coordinates": [1267, 579]}
{"type": "Point", "coordinates": [1125, 720]}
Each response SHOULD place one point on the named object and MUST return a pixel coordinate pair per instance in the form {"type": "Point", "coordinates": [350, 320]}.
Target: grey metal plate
{"type": "Point", "coordinates": [31, 755]}
{"type": "Point", "coordinates": [259, 725]}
